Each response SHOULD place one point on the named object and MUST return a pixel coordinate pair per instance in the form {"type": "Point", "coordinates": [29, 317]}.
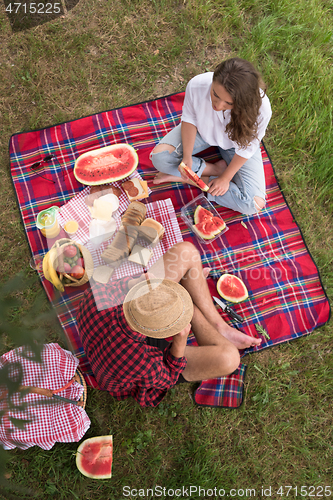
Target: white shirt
{"type": "Point", "coordinates": [211, 124]}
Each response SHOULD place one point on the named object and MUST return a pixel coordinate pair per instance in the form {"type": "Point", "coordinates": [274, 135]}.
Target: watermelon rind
{"type": "Point", "coordinates": [83, 453]}
{"type": "Point", "coordinates": [232, 288]}
{"type": "Point", "coordinates": [200, 230]}
{"type": "Point", "coordinates": [104, 179]}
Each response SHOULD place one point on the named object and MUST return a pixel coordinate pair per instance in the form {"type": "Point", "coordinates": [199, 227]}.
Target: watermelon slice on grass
{"type": "Point", "coordinates": [94, 457]}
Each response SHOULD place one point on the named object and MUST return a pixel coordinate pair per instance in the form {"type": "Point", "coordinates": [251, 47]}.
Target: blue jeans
{"type": "Point", "coordinates": [247, 183]}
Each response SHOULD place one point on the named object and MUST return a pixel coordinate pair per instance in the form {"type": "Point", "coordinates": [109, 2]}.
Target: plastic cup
{"type": "Point", "coordinates": [36, 263]}
{"type": "Point", "coordinates": [71, 227]}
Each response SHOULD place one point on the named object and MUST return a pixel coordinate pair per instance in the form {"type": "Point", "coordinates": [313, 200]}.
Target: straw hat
{"type": "Point", "coordinates": [158, 308]}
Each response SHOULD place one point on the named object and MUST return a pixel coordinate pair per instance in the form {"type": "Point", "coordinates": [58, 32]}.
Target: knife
{"type": "Point", "coordinates": [49, 393]}
{"type": "Point", "coordinates": [228, 310]}
{"type": "Point", "coordinates": [66, 400]}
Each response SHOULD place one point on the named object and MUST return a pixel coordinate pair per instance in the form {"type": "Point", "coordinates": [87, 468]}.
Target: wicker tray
{"type": "Point", "coordinates": [78, 377]}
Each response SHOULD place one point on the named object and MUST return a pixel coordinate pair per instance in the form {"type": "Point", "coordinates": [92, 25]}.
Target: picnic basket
{"type": "Point", "coordinates": [88, 262]}
{"type": "Point", "coordinates": [78, 377]}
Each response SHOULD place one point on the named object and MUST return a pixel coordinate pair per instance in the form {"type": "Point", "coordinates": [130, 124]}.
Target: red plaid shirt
{"type": "Point", "coordinates": [120, 358]}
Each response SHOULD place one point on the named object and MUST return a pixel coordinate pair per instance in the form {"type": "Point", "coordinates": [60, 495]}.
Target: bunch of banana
{"type": "Point", "coordinates": [49, 271]}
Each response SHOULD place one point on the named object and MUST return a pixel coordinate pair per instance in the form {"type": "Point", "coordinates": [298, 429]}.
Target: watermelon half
{"type": "Point", "coordinates": [94, 457]}
{"type": "Point", "coordinates": [104, 165]}
{"type": "Point", "coordinates": [232, 288]}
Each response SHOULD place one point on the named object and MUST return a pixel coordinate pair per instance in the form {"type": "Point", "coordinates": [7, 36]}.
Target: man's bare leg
{"type": "Point", "coordinates": [182, 263]}
{"type": "Point", "coordinates": [214, 357]}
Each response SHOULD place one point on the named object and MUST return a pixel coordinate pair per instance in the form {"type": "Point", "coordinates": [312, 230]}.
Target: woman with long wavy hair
{"type": "Point", "coordinates": [227, 108]}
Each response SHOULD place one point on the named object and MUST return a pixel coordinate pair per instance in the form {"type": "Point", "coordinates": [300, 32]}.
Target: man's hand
{"type": "Point", "coordinates": [218, 186]}
{"type": "Point", "coordinates": [144, 276]}
{"type": "Point", "coordinates": [179, 342]}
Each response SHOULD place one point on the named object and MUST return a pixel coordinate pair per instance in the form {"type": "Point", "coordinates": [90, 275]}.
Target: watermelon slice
{"type": "Point", "coordinates": [215, 224]}
{"type": "Point", "coordinates": [206, 225]}
{"type": "Point", "coordinates": [204, 231]}
{"type": "Point", "coordinates": [193, 177]}
{"type": "Point", "coordinates": [201, 214]}
{"type": "Point", "coordinates": [232, 288]}
{"type": "Point", "coordinates": [94, 457]}
{"type": "Point", "coordinates": [108, 164]}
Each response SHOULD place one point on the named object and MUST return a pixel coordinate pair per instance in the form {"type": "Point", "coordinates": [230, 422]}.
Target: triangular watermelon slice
{"type": "Point", "coordinates": [193, 177]}
{"type": "Point", "coordinates": [215, 224]}
{"type": "Point", "coordinates": [201, 214]}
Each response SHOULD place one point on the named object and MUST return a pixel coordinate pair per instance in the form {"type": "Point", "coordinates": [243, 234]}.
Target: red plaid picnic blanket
{"type": "Point", "coordinates": [266, 251]}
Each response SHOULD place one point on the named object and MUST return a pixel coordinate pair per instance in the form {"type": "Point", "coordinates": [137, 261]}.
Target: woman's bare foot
{"type": "Point", "coordinates": [239, 339]}
{"type": "Point", "coordinates": [162, 178]}
{"type": "Point", "coordinates": [215, 169]}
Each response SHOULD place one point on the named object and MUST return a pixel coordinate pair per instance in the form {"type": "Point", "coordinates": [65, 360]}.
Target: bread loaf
{"type": "Point", "coordinates": [121, 245]}
{"type": "Point", "coordinates": [155, 225]}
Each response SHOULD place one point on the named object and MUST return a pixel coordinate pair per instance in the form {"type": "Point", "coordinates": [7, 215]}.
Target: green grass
{"type": "Point", "coordinates": [106, 54]}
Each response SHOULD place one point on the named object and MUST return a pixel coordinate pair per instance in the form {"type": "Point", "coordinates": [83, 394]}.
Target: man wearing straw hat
{"type": "Point", "coordinates": [124, 326]}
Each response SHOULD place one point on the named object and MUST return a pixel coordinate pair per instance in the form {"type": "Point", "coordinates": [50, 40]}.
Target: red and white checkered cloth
{"type": "Point", "coordinates": [161, 210]}
{"type": "Point", "coordinates": [77, 209]}
{"type": "Point", "coordinates": [50, 423]}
